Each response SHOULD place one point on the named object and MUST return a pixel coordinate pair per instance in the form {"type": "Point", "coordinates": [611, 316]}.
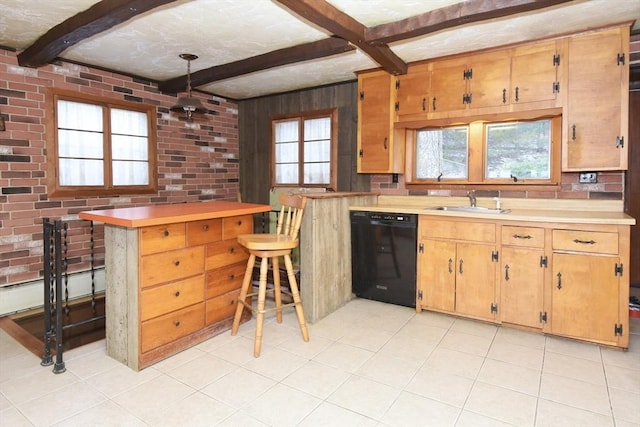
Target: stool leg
{"type": "Point", "coordinates": [296, 298]}
{"type": "Point", "coordinates": [262, 291]}
{"type": "Point", "coordinates": [246, 283]}
{"type": "Point", "coordinates": [276, 288]}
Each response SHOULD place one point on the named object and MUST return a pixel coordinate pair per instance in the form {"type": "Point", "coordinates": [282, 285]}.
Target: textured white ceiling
{"type": "Point", "coordinates": [223, 31]}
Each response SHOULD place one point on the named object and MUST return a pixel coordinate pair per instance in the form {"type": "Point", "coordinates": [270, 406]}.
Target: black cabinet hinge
{"type": "Point", "coordinates": [421, 248]}
{"type": "Point", "coordinates": [619, 141]}
{"type": "Point", "coordinates": [494, 256]}
{"type": "Point", "coordinates": [621, 59]}
{"type": "Point", "coordinates": [467, 74]}
{"type": "Point", "coordinates": [397, 106]}
{"type": "Point", "coordinates": [617, 329]}
{"type": "Point", "coordinates": [361, 153]}
{"type": "Point", "coordinates": [556, 87]}
{"type": "Point", "coordinates": [466, 98]}
{"type": "Point", "coordinates": [494, 307]}
{"type": "Point", "coordinates": [543, 317]}
{"type": "Point", "coordinates": [544, 262]}
{"type": "Point", "coordinates": [420, 295]}
{"type": "Point", "coordinates": [618, 270]}
{"type": "Point", "coordinates": [556, 59]}
{"type": "Point", "coordinates": [397, 84]}
{"type": "Point", "coordinates": [361, 95]}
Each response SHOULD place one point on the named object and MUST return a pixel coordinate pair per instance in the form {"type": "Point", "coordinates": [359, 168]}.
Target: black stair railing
{"type": "Point", "coordinates": [57, 308]}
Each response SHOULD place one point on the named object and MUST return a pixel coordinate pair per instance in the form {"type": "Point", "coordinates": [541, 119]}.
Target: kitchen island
{"type": "Point", "coordinates": [173, 275]}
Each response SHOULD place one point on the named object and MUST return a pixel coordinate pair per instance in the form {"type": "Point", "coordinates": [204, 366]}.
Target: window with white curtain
{"type": "Point", "coordinates": [101, 147]}
{"type": "Point", "coordinates": [304, 149]}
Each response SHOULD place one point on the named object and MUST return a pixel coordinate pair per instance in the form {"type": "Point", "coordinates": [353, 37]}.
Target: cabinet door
{"type": "Point", "coordinates": [413, 91]}
{"type": "Point", "coordinates": [437, 276]}
{"type": "Point", "coordinates": [598, 94]}
{"type": "Point", "coordinates": [521, 286]}
{"type": "Point", "coordinates": [374, 123]}
{"type": "Point", "coordinates": [448, 87]}
{"type": "Point", "coordinates": [534, 73]}
{"type": "Point", "coordinates": [489, 80]}
{"type": "Point", "coordinates": [475, 280]}
{"type": "Point", "coordinates": [584, 298]}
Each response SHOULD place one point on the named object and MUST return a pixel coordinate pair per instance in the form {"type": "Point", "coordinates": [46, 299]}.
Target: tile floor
{"type": "Point", "coordinates": [367, 364]}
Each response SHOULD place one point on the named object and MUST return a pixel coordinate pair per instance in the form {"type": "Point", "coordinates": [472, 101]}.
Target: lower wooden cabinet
{"type": "Point", "coordinates": [563, 279]}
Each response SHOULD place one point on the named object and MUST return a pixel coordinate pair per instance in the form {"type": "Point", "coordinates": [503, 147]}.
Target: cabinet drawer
{"type": "Point", "coordinates": [585, 241]}
{"type": "Point", "coordinates": [205, 231]}
{"type": "Point", "coordinates": [531, 237]}
{"type": "Point", "coordinates": [161, 238]}
{"type": "Point", "coordinates": [173, 265]}
{"type": "Point", "coordinates": [170, 327]}
{"type": "Point", "coordinates": [225, 279]}
{"type": "Point", "coordinates": [222, 307]}
{"type": "Point", "coordinates": [171, 297]}
{"type": "Point", "coordinates": [235, 225]}
{"type": "Point", "coordinates": [458, 230]}
{"type": "Point", "coordinates": [224, 253]}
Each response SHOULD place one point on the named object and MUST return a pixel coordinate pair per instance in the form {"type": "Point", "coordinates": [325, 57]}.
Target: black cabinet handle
{"type": "Point", "coordinates": [166, 233]}
{"type": "Point", "coordinates": [559, 280]}
{"type": "Point", "coordinates": [573, 132]}
{"type": "Point", "coordinates": [176, 263]}
{"type": "Point", "coordinates": [584, 242]}
{"type": "Point", "coordinates": [461, 267]}
{"type": "Point", "coordinates": [424, 104]}
{"type": "Point", "coordinates": [506, 272]}
{"type": "Point", "coordinates": [177, 323]}
{"type": "Point", "coordinates": [521, 236]}
{"type": "Point", "coordinates": [433, 103]}
{"type": "Point", "coordinates": [504, 96]}
{"type": "Point", "coordinates": [450, 265]}
{"type": "Point", "coordinates": [517, 94]}
{"type": "Point", "coordinates": [384, 143]}
{"type": "Point", "coordinates": [177, 294]}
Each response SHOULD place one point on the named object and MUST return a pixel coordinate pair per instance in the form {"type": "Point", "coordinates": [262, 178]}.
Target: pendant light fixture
{"type": "Point", "coordinates": [189, 104]}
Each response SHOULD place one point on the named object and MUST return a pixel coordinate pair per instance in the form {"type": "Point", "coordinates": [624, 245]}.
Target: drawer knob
{"type": "Point", "coordinates": [521, 236]}
{"type": "Point", "coordinates": [232, 276]}
{"type": "Point", "coordinates": [205, 227]}
{"type": "Point", "coordinates": [239, 223]}
{"type": "Point", "coordinates": [232, 250]}
{"type": "Point", "coordinates": [176, 263]}
{"type": "Point", "coordinates": [177, 323]}
{"type": "Point", "coordinates": [584, 242]}
{"type": "Point", "coordinates": [166, 233]}
{"type": "Point", "coordinates": [177, 293]}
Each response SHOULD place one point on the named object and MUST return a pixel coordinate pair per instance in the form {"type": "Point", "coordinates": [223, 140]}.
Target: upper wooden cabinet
{"type": "Point", "coordinates": [378, 151]}
{"type": "Point", "coordinates": [597, 110]}
{"type": "Point", "coordinates": [535, 76]}
{"type": "Point", "coordinates": [413, 91]}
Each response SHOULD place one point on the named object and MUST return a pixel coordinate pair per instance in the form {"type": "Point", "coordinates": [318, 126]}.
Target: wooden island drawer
{"type": "Point", "coordinates": [168, 266]}
{"type": "Point", "coordinates": [203, 232]}
{"type": "Point", "coordinates": [585, 241]}
{"type": "Point", "coordinates": [171, 326]}
{"type": "Point", "coordinates": [458, 230]}
{"type": "Point", "coordinates": [163, 299]}
{"type": "Point", "coordinates": [225, 279]}
{"type": "Point", "coordinates": [224, 253]}
{"type": "Point", "coordinates": [233, 226]}
{"type": "Point", "coordinates": [222, 307]}
{"type": "Point", "coordinates": [530, 237]}
{"type": "Point", "coordinates": [161, 238]}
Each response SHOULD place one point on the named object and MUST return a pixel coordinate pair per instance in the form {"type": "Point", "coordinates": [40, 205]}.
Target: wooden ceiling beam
{"type": "Point", "coordinates": [98, 18]}
{"type": "Point", "coordinates": [466, 12]}
{"type": "Point", "coordinates": [327, 16]}
{"type": "Point", "coordinates": [276, 58]}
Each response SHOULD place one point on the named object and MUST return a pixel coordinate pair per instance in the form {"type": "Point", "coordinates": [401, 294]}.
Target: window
{"type": "Point", "coordinates": [508, 152]}
{"type": "Point", "coordinates": [100, 146]}
{"type": "Point", "coordinates": [304, 150]}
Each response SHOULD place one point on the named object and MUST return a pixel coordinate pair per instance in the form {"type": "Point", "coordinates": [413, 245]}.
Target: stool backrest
{"type": "Point", "coordinates": [290, 216]}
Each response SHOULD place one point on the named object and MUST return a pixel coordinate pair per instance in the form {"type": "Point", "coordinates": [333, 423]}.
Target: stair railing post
{"type": "Point", "coordinates": [47, 280]}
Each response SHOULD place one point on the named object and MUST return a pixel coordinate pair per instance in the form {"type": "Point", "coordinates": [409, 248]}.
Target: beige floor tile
{"type": "Point", "coordinates": [516, 354]}
{"type": "Point", "coordinates": [241, 419]}
{"type": "Point", "coordinates": [239, 351]}
{"type": "Point", "coordinates": [441, 386]}
{"type": "Point", "coordinates": [106, 414]}
{"type": "Point", "coordinates": [389, 370]}
{"type": "Point", "coordinates": [18, 365]}
{"type": "Point", "coordinates": [89, 364]}
{"type": "Point", "coordinates": [195, 410]}
{"type": "Point", "coordinates": [623, 423]}
{"type": "Point", "coordinates": [282, 406]}
{"type": "Point", "coordinates": [100, 345]}
{"type": "Point", "coordinates": [573, 348]}
{"type": "Point", "coordinates": [9, 347]}
{"type": "Point", "coordinates": [420, 326]}
{"type": "Point", "coordinates": [626, 406]}
{"type": "Point", "coordinates": [466, 343]}
{"type": "Point", "coordinates": [201, 371]}
{"type": "Point", "coordinates": [343, 356]}
{"type": "Point", "coordinates": [317, 379]}
{"type": "Point", "coordinates": [364, 396]}
{"type": "Point", "coordinates": [436, 319]}
{"type": "Point", "coordinates": [521, 338]}
{"type": "Point", "coordinates": [35, 384]}
{"type": "Point", "coordinates": [502, 404]}
{"type": "Point", "coordinates": [219, 340]}
{"type": "Point", "coordinates": [330, 415]}
{"type": "Point", "coordinates": [276, 364]}
{"type": "Point", "coordinates": [413, 410]}
{"type": "Point", "coordinates": [455, 362]}
{"type": "Point", "coordinates": [308, 350]}
{"type": "Point", "coordinates": [12, 417]}
{"type": "Point", "coordinates": [474, 327]}
{"type": "Point", "coordinates": [273, 333]}
{"type": "Point", "coordinates": [624, 359]}
{"type": "Point", "coordinates": [573, 367]}
{"type": "Point", "coordinates": [120, 379]}
{"type": "Point", "coordinates": [176, 360]}
{"type": "Point", "coordinates": [553, 414]}
{"type": "Point", "coordinates": [513, 377]}
{"type": "Point", "coordinates": [576, 393]}
{"type": "Point", "coordinates": [55, 406]}
{"type": "Point", "coordinates": [330, 327]}
{"type": "Point", "coordinates": [471, 419]}
{"type": "Point", "coordinates": [368, 338]}
{"type": "Point", "coordinates": [623, 378]}
{"type": "Point", "coordinates": [4, 403]}
{"type": "Point", "coordinates": [408, 348]}
{"type": "Point", "coordinates": [239, 387]}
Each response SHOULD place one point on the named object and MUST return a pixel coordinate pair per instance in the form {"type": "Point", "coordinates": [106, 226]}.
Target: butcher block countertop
{"type": "Point", "coordinates": [531, 210]}
{"type": "Point", "coordinates": [143, 216]}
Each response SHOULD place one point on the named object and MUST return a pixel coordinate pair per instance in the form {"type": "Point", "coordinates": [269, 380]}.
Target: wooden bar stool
{"type": "Point", "coordinates": [270, 246]}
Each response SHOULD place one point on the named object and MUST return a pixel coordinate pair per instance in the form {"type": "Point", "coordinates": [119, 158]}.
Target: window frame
{"type": "Point", "coordinates": [55, 189]}
{"type": "Point", "coordinates": [477, 149]}
{"type": "Point", "coordinates": [332, 114]}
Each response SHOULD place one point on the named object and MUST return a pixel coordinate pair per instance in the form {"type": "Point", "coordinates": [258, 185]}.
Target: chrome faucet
{"type": "Point", "coordinates": [472, 198]}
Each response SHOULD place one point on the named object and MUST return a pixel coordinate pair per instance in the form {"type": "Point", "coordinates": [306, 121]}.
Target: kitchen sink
{"type": "Point", "coordinates": [472, 209]}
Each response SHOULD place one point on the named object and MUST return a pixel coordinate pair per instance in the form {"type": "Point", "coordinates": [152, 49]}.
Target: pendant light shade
{"type": "Point", "coordinates": [189, 104]}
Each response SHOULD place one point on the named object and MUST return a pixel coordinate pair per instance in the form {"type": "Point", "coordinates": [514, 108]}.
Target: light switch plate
{"type": "Point", "coordinates": [588, 178]}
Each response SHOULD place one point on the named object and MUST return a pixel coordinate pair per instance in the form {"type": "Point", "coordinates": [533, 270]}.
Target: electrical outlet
{"type": "Point", "coordinates": [588, 178]}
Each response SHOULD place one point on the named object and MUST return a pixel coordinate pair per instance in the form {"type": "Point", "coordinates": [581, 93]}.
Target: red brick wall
{"type": "Point", "coordinates": [196, 161]}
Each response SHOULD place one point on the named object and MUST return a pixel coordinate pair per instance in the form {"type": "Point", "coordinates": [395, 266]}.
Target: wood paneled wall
{"type": "Point", "coordinates": [254, 118]}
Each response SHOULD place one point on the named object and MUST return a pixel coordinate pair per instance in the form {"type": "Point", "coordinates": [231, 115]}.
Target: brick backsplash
{"type": "Point", "coordinates": [196, 161]}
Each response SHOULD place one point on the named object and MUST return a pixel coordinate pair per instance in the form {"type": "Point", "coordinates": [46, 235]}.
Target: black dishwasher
{"type": "Point", "coordinates": [383, 256]}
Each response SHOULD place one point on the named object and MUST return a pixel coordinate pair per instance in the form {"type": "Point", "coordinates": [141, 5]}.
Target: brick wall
{"type": "Point", "coordinates": [196, 161]}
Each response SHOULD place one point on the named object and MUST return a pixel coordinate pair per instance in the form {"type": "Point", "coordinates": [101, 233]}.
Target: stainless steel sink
{"type": "Point", "coordinates": [472, 209]}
